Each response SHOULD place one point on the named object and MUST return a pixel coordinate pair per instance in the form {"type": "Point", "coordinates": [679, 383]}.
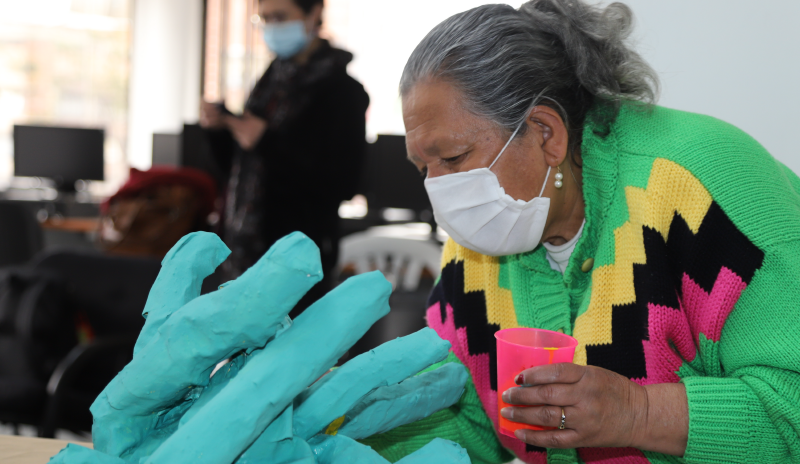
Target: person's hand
{"type": "Point", "coordinates": [602, 408]}
{"type": "Point", "coordinates": [247, 129]}
{"type": "Point", "coordinates": [211, 117]}
{"type": "Point", "coordinates": [224, 377]}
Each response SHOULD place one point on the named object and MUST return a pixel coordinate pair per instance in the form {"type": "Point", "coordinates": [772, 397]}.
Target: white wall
{"type": "Point", "coordinates": [165, 71]}
{"type": "Point", "coordinates": [735, 60]}
{"type": "Point", "coordinates": [382, 34]}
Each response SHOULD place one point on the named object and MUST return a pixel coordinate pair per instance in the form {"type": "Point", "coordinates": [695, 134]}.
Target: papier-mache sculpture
{"type": "Point", "coordinates": [263, 403]}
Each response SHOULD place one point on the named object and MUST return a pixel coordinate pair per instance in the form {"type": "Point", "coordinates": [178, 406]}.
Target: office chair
{"type": "Point", "coordinates": [21, 236]}
{"type": "Point", "coordinates": [410, 260]}
{"type": "Point", "coordinates": [107, 294]}
{"type": "Point", "coordinates": [35, 333]}
{"type": "Point", "coordinates": [47, 378]}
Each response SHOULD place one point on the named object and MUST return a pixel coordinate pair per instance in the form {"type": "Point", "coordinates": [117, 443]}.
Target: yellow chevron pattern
{"type": "Point", "coordinates": [670, 189]}
{"type": "Point", "coordinates": [482, 273]}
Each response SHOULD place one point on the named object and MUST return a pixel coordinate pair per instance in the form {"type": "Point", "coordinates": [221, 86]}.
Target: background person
{"type": "Point", "coordinates": [296, 152]}
{"type": "Point", "coordinates": [670, 248]}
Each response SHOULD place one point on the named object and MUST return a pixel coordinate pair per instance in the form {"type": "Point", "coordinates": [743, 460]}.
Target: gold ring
{"type": "Point", "coordinates": [563, 420]}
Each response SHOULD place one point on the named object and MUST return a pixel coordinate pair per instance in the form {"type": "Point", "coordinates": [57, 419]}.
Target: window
{"type": "Point", "coordinates": [235, 55]}
{"type": "Point", "coordinates": [66, 63]}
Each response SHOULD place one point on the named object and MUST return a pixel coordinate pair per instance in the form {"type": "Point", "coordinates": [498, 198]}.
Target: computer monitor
{"type": "Point", "coordinates": [389, 180]}
{"type": "Point", "coordinates": [166, 149]}
{"type": "Point", "coordinates": [196, 152]}
{"type": "Point", "coordinates": [64, 154]}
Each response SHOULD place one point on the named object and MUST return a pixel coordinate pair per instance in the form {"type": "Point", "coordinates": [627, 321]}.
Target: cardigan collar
{"type": "Point", "coordinates": [600, 172]}
{"type": "Point", "coordinates": [600, 156]}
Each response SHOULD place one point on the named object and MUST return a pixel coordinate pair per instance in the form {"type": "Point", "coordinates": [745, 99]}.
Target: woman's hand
{"type": "Point", "coordinates": [211, 117]}
{"type": "Point", "coordinates": [247, 129]}
{"type": "Point", "coordinates": [602, 409]}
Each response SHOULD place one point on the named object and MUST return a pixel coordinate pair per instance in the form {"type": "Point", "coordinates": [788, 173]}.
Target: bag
{"type": "Point", "coordinates": [154, 209]}
{"type": "Point", "coordinates": [149, 223]}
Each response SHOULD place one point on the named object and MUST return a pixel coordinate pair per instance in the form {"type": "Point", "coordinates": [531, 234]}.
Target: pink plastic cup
{"type": "Point", "coordinates": [523, 348]}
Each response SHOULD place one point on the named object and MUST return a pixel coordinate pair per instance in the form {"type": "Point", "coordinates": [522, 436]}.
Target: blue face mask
{"type": "Point", "coordinates": [286, 39]}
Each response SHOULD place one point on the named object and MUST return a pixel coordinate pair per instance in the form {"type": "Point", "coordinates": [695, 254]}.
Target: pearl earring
{"type": "Point", "coordinates": [559, 179]}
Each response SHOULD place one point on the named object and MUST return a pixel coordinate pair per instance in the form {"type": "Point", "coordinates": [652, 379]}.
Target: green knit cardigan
{"type": "Point", "coordinates": [688, 270]}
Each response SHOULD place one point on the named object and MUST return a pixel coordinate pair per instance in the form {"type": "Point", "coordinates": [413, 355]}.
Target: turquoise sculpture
{"type": "Point", "coordinates": [228, 378]}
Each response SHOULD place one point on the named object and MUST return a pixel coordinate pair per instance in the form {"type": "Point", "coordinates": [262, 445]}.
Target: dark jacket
{"type": "Point", "coordinates": [306, 163]}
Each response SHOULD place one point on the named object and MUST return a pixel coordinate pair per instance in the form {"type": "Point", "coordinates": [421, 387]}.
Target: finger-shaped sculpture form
{"type": "Point", "coordinates": [290, 451]}
{"type": "Point", "coordinates": [232, 421]}
{"type": "Point", "coordinates": [183, 269]}
{"type": "Point", "coordinates": [408, 401]}
{"type": "Point", "coordinates": [277, 445]}
{"type": "Point", "coordinates": [180, 357]}
{"type": "Point", "coordinates": [77, 454]}
{"type": "Point", "coordinates": [167, 407]}
{"type": "Point", "coordinates": [171, 420]}
{"type": "Point", "coordinates": [387, 364]}
{"type": "Point", "coordinates": [340, 449]}
{"type": "Point", "coordinates": [438, 451]}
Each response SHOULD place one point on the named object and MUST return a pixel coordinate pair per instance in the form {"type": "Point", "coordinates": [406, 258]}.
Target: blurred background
{"type": "Point", "coordinates": [95, 93]}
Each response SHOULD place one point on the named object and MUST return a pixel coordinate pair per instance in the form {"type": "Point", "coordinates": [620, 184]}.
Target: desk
{"type": "Point", "coordinates": [72, 229]}
{"type": "Point", "coordinates": [84, 225]}
{"type": "Point", "coordinates": [28, 450]}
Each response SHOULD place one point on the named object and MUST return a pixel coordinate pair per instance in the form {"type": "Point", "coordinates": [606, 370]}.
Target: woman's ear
{"type": "Point", "coordinates": [551, 132]}
{"type": "Point", "coordinates": [314, 19]}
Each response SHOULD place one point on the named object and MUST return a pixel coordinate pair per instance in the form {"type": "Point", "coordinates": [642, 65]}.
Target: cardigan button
{"type": "Point", "coordinates": [587, 265]}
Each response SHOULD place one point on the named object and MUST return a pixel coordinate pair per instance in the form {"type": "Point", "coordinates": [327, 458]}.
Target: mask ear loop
{"type": "Point", "coordinates": [507, 143]}
{"type": "Point", "coordinates": [547, 176]}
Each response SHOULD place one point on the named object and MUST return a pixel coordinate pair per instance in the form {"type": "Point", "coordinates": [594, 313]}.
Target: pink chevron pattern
{"type": "Point", "coordinates": [666, 326]}
{"type": "Point", "coordinates": [700, 312]}
{"type": "Point", "coordinates": [478, 366]}
{"type": "Point", "coordinates": [707, 312]}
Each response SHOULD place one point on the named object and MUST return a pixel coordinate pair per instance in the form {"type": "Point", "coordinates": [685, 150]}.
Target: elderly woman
{"type": "Point", "coordinates": [667, 243]}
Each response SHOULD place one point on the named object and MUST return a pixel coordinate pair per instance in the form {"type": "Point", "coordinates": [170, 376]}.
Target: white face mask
{"type": "Point", "coordinates": [477, 213]}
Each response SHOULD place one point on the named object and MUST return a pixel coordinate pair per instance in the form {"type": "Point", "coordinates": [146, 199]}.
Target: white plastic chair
{"type": "Point", "coordinates": [401, 253]}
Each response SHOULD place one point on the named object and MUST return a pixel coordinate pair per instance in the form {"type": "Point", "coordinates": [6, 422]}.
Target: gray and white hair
{"type": "Point", "coordinates": [566, 54]}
